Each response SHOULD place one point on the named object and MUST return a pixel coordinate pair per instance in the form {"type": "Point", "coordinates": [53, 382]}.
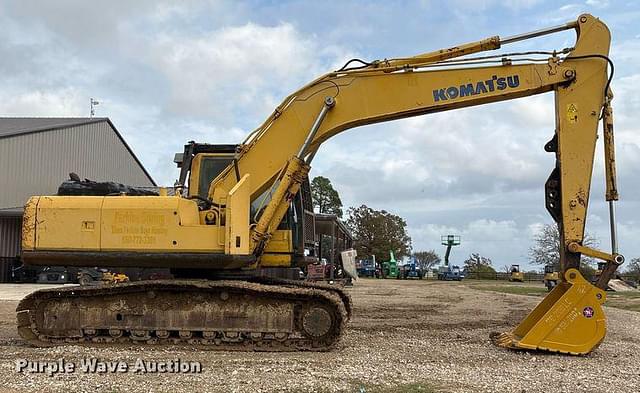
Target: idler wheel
{"type": "Point", "coordinates": [316, 322]}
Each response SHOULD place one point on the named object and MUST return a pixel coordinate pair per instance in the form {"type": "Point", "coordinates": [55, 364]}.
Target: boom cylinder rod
{"type": "Point", "coordinates": [610, 169]}
{"type": "Point", "coordinates": [611, 194]}
{"type": "Point", "coordinates": [614, 231]}
{"type": "Point", "coordinates": [329, 102]}
{"type": "Point", "coordinates": [537, 33]}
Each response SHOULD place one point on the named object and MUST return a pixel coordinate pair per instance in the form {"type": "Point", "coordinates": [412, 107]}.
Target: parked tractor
{"type": "Point", "coordinates": [515, 275]}
{"type": "Point", "coordinates": [390, 268]}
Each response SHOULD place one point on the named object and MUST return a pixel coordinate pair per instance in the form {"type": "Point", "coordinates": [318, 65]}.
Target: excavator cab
{"type": "Point", "coordinates": [515, 275]}
{"type": "Point", "coordinates": [293, 242]}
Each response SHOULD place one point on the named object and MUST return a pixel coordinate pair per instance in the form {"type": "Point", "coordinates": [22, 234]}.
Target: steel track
{"type": "Point", "coordinates": [90, 315]}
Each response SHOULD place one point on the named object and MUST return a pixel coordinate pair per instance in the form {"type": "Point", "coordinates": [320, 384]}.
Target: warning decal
{"type": "Point", "coordinates": [572, 113]}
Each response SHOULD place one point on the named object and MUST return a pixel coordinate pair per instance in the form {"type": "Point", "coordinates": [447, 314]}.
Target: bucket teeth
{"type": "Point", "coordinates": [504, 340]}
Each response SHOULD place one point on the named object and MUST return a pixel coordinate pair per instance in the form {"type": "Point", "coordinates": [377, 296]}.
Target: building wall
{"type": "Point", "coordinates": [9, 245]}
{"type": "Point", "coordinates": [10, 236]}
{"type": "Point", "coordinates": [37, 163]}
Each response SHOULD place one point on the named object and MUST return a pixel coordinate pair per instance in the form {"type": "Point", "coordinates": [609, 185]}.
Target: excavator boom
{"type": "Point", "coordinates": [239, 226]}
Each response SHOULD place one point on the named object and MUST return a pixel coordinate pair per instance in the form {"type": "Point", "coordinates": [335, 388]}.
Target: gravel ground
{"type": "Point", "coordinates": [403, 333]}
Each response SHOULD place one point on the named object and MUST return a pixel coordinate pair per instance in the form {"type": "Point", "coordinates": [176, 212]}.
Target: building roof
{"type": "Point", "coordinates": [323, 219]}
{"type": "Point", "coordinates": [11, 126]}
{"type": "Point", "coordinates": [16, 126]}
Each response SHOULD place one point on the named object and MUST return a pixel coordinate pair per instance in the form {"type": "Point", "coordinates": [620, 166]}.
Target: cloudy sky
{"type": "Point", "coordinates": [210, 71]}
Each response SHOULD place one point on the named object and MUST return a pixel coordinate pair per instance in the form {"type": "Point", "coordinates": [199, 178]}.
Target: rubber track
{"type": "Point", "coordinates": [295, 291]}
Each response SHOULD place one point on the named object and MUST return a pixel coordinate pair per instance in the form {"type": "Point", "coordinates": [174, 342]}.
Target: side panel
{"type": "Point", "coordinates": [136, 224]}
{"type": "Point", "coordinates": [279, 250]}
{"type": "Point", "coordinates": [155, 224]}
{"type": "Point", "coordinates": [69, 223]}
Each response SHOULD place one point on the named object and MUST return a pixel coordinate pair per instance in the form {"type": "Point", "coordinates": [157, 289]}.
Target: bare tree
{"type": "Point", "coordinates": [546, 247]}
{"type": "Point", "coordinates": [478, 263]}
{"type": "Point", "coordinates": [427, 259]}
{"type": "Point", "coordinates": [506, 268]}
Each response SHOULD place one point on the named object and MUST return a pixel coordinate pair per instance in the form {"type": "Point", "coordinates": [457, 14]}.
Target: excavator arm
{"type": "Point", "coordinates": [277, 155]}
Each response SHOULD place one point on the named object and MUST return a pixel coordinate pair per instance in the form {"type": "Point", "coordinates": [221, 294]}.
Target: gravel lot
{"type": "Point", "coordinates": [405, 336]}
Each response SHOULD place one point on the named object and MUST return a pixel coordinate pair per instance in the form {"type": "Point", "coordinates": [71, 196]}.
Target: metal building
{"type": "Point", "coordinates": [37, 154]}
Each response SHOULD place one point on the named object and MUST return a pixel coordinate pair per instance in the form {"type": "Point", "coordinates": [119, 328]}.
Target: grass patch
{"type": "Point", "coordinates": [623, 300]}
{"type": "Point", "coordinates": [513, 289]}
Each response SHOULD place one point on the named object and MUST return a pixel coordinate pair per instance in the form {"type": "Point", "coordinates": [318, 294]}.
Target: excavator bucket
{"type": "Point", "coordinates": [569, 320]}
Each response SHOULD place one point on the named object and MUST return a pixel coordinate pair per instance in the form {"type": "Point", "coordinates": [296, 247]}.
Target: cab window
{"type": "Point", "coordinates": [210, 167]}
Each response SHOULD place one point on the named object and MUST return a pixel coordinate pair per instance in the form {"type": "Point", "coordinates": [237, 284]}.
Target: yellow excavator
{"type": "Point", "coordinates": [237, 221]}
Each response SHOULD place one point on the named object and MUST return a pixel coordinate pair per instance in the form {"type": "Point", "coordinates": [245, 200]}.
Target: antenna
{"type": "Point", "coordinates": [94, 103]}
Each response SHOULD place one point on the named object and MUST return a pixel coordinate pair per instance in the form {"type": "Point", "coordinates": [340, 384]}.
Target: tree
{"type": "Point", "coordinates": [546, 247]}
{"type": "Point", "coordinates": [633, 269]}
{"type": "Point", "coordinates": [378, 232]}
{"type": "Point", "coordinates": [478, 263]}
{"type": "Point", "coordinates": [506, 268]}
{"type": "Point", "coordinates": [588, 272]}
{"type": "Point", "coordinates": [325, 198]}
{"type": "Point", "coordinates": [426, 259]}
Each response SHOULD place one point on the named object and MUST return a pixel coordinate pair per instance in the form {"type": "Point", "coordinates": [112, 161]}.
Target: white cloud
{"type": "Point", "coordinates": [483, 5]}
{"type": "Point", "coordinates": [64, 103]}
{"type": "Point", "coordinates": [484, 236]}
{"type": "Point", "coordinates": [237, 68]}
{"type": "Point", "coordinates": [598, 3]}
{"type": "Point", "coordinates": [562, 14]}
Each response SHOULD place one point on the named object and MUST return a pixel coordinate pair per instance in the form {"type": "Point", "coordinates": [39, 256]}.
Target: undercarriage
{"type": "Point", "coordinates": [261, 314]}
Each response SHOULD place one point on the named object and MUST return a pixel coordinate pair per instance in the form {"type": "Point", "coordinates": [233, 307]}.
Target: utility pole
{"type": "Point", "coordinates": [94, 103]}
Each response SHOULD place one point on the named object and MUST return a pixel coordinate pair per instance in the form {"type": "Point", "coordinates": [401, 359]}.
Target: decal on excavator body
{"type": "Point", "coordinates": [480, 87]}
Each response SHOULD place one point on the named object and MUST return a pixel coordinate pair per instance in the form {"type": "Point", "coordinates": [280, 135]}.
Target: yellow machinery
{"type": "Point", "coordinates": [97, 276]}
{"type": "Point", "coordinates": [551, 277]}
{"type": "Point", "coordinates": [237, 232]}
{"type": "Point", "coordinates": [515, 275]}
{"type": "Point", "coordinates": [115, 278]}
{"type": "Point", "coordinates": [599, 270]}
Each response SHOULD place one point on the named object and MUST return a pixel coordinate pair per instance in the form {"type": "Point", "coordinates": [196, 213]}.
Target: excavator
{"type": "Point", "coordinates": [230, 231]}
